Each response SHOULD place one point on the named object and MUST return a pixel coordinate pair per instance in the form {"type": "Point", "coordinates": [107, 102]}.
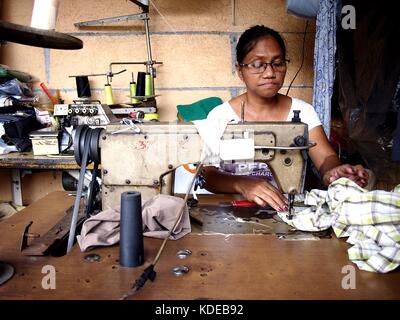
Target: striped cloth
{"type": "Point", "coordinates": [370, 220]}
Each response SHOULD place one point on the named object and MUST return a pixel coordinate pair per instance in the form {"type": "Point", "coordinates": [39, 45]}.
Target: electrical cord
{"type": "Point", "coordinates": [149, 272]}
{"type": "Point", "coordinates": [70, 140]}
{"type": "Point", "coordinates": [302, 59]}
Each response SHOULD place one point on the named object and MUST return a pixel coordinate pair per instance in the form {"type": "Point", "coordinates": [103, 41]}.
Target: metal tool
{"type": "Point", "coordinates": [291, 202]}
{"type": "Point", "coordinates": [131, 126]}
{"type": "Point", "coordinates": [239, 204]}
{"type": "Point", "coordinates": [144, 15]}
{"type": "Point", "coordinates": [26, 235]}
{"type": "Point", "coordinates": [109, 75]}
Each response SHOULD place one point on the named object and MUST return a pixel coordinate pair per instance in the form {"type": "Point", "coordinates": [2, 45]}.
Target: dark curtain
{"type": "Point", "coordinates": [368, 72]}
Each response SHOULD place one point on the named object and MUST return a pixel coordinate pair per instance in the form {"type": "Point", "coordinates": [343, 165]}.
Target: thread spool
{"type": "Point", "coordinates": [149, 84]}
{"type": "Point", "coordinates": [132, 86]}
{"type": "Point", "coordinates": [109, 94]}
{"type": "Point", "coordinates": [131, 247]}
{"type": "Point", "coordinates": [83, 87]}
{"type": "Point", "coordinates": [141, 84]}
{"type": "Point", "coordinates": [44, 14]}
{"type": "Point", "coordinates": [138, 115]}
{"type": "Point", "coordinates": [151, 117]}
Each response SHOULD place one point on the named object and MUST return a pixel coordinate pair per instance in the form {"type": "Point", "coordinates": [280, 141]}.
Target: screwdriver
{"type": "Point", "coordinates": [239, 204]}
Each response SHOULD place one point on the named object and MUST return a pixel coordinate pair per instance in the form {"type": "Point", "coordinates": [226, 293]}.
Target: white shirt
{"type": "Point", "coordinates": [307, 113]}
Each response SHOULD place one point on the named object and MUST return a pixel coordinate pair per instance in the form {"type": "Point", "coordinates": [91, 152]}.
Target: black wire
{"type": "Point", "coordinates": [302, 59]}
{"type": "Point", "coordinates": [70, 139]}
{"type": "Point", "coordinates": [147, 274]}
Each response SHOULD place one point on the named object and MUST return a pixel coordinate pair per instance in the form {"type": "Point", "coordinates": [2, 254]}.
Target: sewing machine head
{"type": "Point", "coordinates": [144, 161]}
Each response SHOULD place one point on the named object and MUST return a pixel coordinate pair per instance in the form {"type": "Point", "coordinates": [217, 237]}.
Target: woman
{"type": "Point", "coordinates": [261, 65]}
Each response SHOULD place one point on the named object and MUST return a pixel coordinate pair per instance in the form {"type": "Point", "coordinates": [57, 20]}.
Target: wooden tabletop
{"type": "Point", "coordinates": [26, 160]}
{"type": "Point", "coordinates": [221, 266]}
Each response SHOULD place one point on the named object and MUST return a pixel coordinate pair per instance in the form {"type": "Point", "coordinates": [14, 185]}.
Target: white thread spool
{"type": "Point", "coordinates": [44, 14]}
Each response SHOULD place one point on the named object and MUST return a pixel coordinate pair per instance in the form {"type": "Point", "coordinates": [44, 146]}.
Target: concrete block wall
{"type": "Point", "coordinates": [194, 39]}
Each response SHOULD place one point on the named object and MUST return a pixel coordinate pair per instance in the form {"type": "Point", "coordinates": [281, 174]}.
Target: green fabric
{"type": "Point", "coordinates": [21, 76]}
{"type": "Point", "coordinates": [199, 109]}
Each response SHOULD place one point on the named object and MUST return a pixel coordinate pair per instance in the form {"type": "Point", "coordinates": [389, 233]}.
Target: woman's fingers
{"type": "Point", "coordinates": [259, 201]}
{"type": "Point", "coordinates": [355, 173]}
{"type": "Point", "coordinates": [273, 197]}
{"type": "Point", "coordinates": [280, 199]}
{"type": "Point", "coordinates": [344, 170]}
{"type": "Point", "coordinates": [361, 172]}
{"type": "Point", "coordinates": [348, 169]}
{"type": "Point", "coordinates": [264, 194]}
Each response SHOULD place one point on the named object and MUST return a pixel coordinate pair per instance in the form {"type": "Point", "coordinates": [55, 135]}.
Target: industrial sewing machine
{"type": "Point", "coordinates": [143, 157]}
{"type": "Point", "coordinates": [144, 160]}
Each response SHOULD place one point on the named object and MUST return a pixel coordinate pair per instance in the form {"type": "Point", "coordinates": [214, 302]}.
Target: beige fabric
{"type": "Point", "coordinates": [158, 213]}
{"type": "Point", "coordinates": [100, 230]}
{"type": "Point", "coordinates": [165, 209]}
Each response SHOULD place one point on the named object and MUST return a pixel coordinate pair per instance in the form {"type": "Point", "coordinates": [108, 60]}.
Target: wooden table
{"type": "Point", "coordinates": [26, 160]}
{"type": "Point", "coordinates": [221, 267]}
{"type": "Point", "coordinates": [17, 161]}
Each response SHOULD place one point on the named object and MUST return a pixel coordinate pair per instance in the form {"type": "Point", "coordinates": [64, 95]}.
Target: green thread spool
{"type": "Point", "coordinates": [133, 92]}
{"type": "Point", "coordinates": [109, 94]}
{"type": "Point", "coordinates": [148, 85]}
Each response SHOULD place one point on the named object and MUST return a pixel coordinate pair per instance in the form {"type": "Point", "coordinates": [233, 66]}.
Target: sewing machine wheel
{"type": "Point", "coordinates": [6, 272]}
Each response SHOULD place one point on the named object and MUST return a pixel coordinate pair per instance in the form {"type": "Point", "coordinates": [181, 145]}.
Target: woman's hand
{"type": "Point", "coordinates": [261, 192]}
{"type": "Point", "coordinates": [356, 173]}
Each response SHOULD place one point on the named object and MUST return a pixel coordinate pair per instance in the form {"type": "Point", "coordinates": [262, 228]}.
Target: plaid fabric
{"type": "Point", "coordinates": [370, 220]}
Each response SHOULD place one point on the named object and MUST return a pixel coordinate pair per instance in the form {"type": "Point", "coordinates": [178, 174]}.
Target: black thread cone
{"type": "Point", "coordinates": [141, 84]}
{"type": "Point", "coordinates": [131, 248]}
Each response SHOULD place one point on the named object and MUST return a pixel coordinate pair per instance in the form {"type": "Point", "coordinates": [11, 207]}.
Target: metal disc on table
{"type": "Point", "coordinates": [6, 272]}
{"type": "Point", "coordinates": [38, 37]}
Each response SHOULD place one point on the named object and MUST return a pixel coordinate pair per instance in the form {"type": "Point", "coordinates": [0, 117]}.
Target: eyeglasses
{"type": "Point", "coordinates": [258, 67]}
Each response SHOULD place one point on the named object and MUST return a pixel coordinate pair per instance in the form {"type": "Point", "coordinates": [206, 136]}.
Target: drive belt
{"type": "Point", "coordinates": [93, 144]}
{"type": "Point", "coordinates": [86, 151]}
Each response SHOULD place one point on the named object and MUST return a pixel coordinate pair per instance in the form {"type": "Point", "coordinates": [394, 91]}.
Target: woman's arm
{"type": "Point", "coordinates": [252, 188]}
{"type": "Point", "coordinates": [328, 164]}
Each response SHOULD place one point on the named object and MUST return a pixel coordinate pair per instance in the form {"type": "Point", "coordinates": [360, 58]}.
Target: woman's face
{"type": "Point", "coordinates": [268, 83]}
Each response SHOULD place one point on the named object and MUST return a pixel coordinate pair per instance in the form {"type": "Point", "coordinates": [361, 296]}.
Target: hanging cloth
{"type": "Point", "coordinates": [324, 60]}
